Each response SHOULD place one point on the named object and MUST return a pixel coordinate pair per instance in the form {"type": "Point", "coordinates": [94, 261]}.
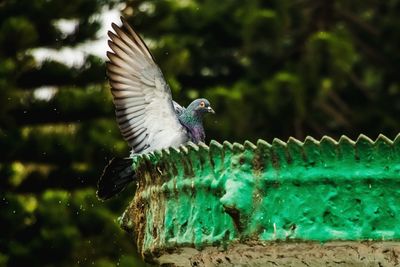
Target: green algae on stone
{"type": "Point", "coordinates": [326, 190]}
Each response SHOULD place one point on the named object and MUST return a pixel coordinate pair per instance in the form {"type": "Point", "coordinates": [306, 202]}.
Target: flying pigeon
{"type": "Point", "coordinates": [147, 116]}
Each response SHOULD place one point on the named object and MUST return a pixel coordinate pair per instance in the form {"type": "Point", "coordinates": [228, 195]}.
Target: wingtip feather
{"type": "Point", "coordinates": [137, 39]}
{"type": "Point", "coordinates": [123, 19]}
{"type": "Point", "coordinates": [112, 46]}
{"type": "Point", "coordinates": [108, 53]}
{"type": "Point", "coordinates": [111, 35]}
{"type": "Point", "coordinates": [114, 26]}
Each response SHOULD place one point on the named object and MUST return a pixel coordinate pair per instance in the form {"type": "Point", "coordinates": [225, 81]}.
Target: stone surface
{"type": "Point", "coordinates": [323, 191]}
{"type": "Point", "coordinates": [287, 254]}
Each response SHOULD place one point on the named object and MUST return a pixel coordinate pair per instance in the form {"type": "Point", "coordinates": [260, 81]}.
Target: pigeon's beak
{"type": "Point", "coordinates": [210, 110]}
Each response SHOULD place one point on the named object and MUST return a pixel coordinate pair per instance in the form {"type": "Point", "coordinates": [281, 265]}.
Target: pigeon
{"type": "Point", "coordinates": [147, 116]}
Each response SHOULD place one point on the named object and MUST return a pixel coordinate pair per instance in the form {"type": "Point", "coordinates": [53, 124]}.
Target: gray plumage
{"type": "Point", "coordinates": [147, 116]}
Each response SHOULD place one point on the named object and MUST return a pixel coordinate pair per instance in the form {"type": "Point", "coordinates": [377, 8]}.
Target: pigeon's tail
{"type": "Point", "coordinates": [116, 176]}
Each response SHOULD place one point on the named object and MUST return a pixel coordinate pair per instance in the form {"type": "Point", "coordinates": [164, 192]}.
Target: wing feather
{"type": "Point", "coordinates": [124, 80]}
{"type": "Point", "coordinates": [125, 94]}
{"type": "Point", "coordinates": [138, 136]}
{"type": "Point", "coordinates": [120, 71]}
{"type": "Point", "coordinates": [130, 125]}
{"type": "Point", "coordinates": [137, 109]}
{"type": "Point", "coordinates": [138, 40]}
{"type": "Point", "coordinates": [129, 41]}
{"type": "Point", "coordinates": [144, 108]}
{"type": "Point", "coordinates": [141, 146]}
{"type": "Point", "coordinates": [133, 102]}
{"type": "Point", "coordinates": [124, 86]}
{"type": "Point", "coordinates": [123, 63]}
{"type": "Point", "coordinates": [123, 51]}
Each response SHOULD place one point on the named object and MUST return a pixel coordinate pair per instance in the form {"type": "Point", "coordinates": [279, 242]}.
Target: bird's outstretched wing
{"type": "Point", "coordinates": [144, 108]}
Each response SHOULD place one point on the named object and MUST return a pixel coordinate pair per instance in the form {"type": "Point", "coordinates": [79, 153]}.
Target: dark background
{"type": "Point", "coordinates": [271, 69]}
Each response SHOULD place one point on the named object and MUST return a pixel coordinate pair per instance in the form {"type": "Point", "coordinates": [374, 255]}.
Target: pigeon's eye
{"type": "Point", "coordinates": [202, 104]}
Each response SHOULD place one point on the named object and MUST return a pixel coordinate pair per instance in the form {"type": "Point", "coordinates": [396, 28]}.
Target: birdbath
{"type": "Point", "coordinates": [315, 203]}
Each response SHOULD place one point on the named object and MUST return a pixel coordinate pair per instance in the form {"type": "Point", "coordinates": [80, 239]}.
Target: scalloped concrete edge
{"type": "Point", "coordinates": [199, 196]}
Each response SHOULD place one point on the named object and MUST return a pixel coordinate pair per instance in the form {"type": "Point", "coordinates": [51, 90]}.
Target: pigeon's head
{"type": "Point", "coordinates": [201, 107]}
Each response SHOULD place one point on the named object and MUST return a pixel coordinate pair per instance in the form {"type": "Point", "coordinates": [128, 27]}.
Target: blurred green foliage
{"type": "Point", "coordinates": [281, 68]}
{"type": "Point", "coordinates": [270, 69]}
